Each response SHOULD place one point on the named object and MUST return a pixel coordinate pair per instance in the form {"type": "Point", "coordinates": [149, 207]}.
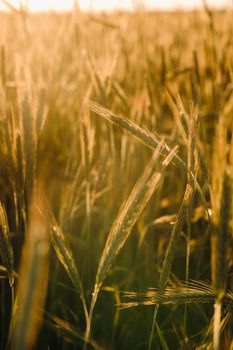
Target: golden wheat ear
{"type": "Point", "coordinates": [151, 140]}
{"type": "Point", "coordinates": [65, 255]}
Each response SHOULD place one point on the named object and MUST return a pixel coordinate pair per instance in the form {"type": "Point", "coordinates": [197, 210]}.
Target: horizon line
{"type": "Point", "coordinates": [6, 6]}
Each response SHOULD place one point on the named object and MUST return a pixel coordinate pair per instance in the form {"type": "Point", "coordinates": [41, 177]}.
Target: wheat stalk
{"type": "Point", "coordinates": [33, 278]}
{"type": "Point", "coordinates": [223, 233]}
{"type": "Point", "coordinates": [29, 137]}
{"type": "Point", "coordinates": [126, 219]}
{"type": "Point", "coordinates": [6, 250]}
{"type": "Point", "coordinates": [170, 252]}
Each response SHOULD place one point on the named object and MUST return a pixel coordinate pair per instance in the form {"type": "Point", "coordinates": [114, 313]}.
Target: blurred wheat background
{"type": "Point", "coordinates": [116, 168]}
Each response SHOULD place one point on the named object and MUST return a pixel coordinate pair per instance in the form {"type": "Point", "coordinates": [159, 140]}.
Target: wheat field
{"type": "Point", "coordinates": [116, 169]}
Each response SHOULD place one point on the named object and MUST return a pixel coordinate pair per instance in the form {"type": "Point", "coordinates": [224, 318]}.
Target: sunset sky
{"type": "Point", "coordinates": [38, 5]}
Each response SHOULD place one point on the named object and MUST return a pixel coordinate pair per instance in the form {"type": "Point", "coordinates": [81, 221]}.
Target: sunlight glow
{"type": "Point", "coordinates": [97, 5]}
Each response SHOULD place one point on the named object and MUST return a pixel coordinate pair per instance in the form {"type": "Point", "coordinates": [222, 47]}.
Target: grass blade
{"type": "Point", "coordinates": [68, 331]}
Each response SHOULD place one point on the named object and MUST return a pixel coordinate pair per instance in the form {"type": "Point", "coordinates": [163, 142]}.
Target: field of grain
{"type": "Point", "coordinates": [116, 168]}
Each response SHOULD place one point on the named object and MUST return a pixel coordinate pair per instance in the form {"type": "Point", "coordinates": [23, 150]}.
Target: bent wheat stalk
{"type": "Point", "coordinates": [126, 219]}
